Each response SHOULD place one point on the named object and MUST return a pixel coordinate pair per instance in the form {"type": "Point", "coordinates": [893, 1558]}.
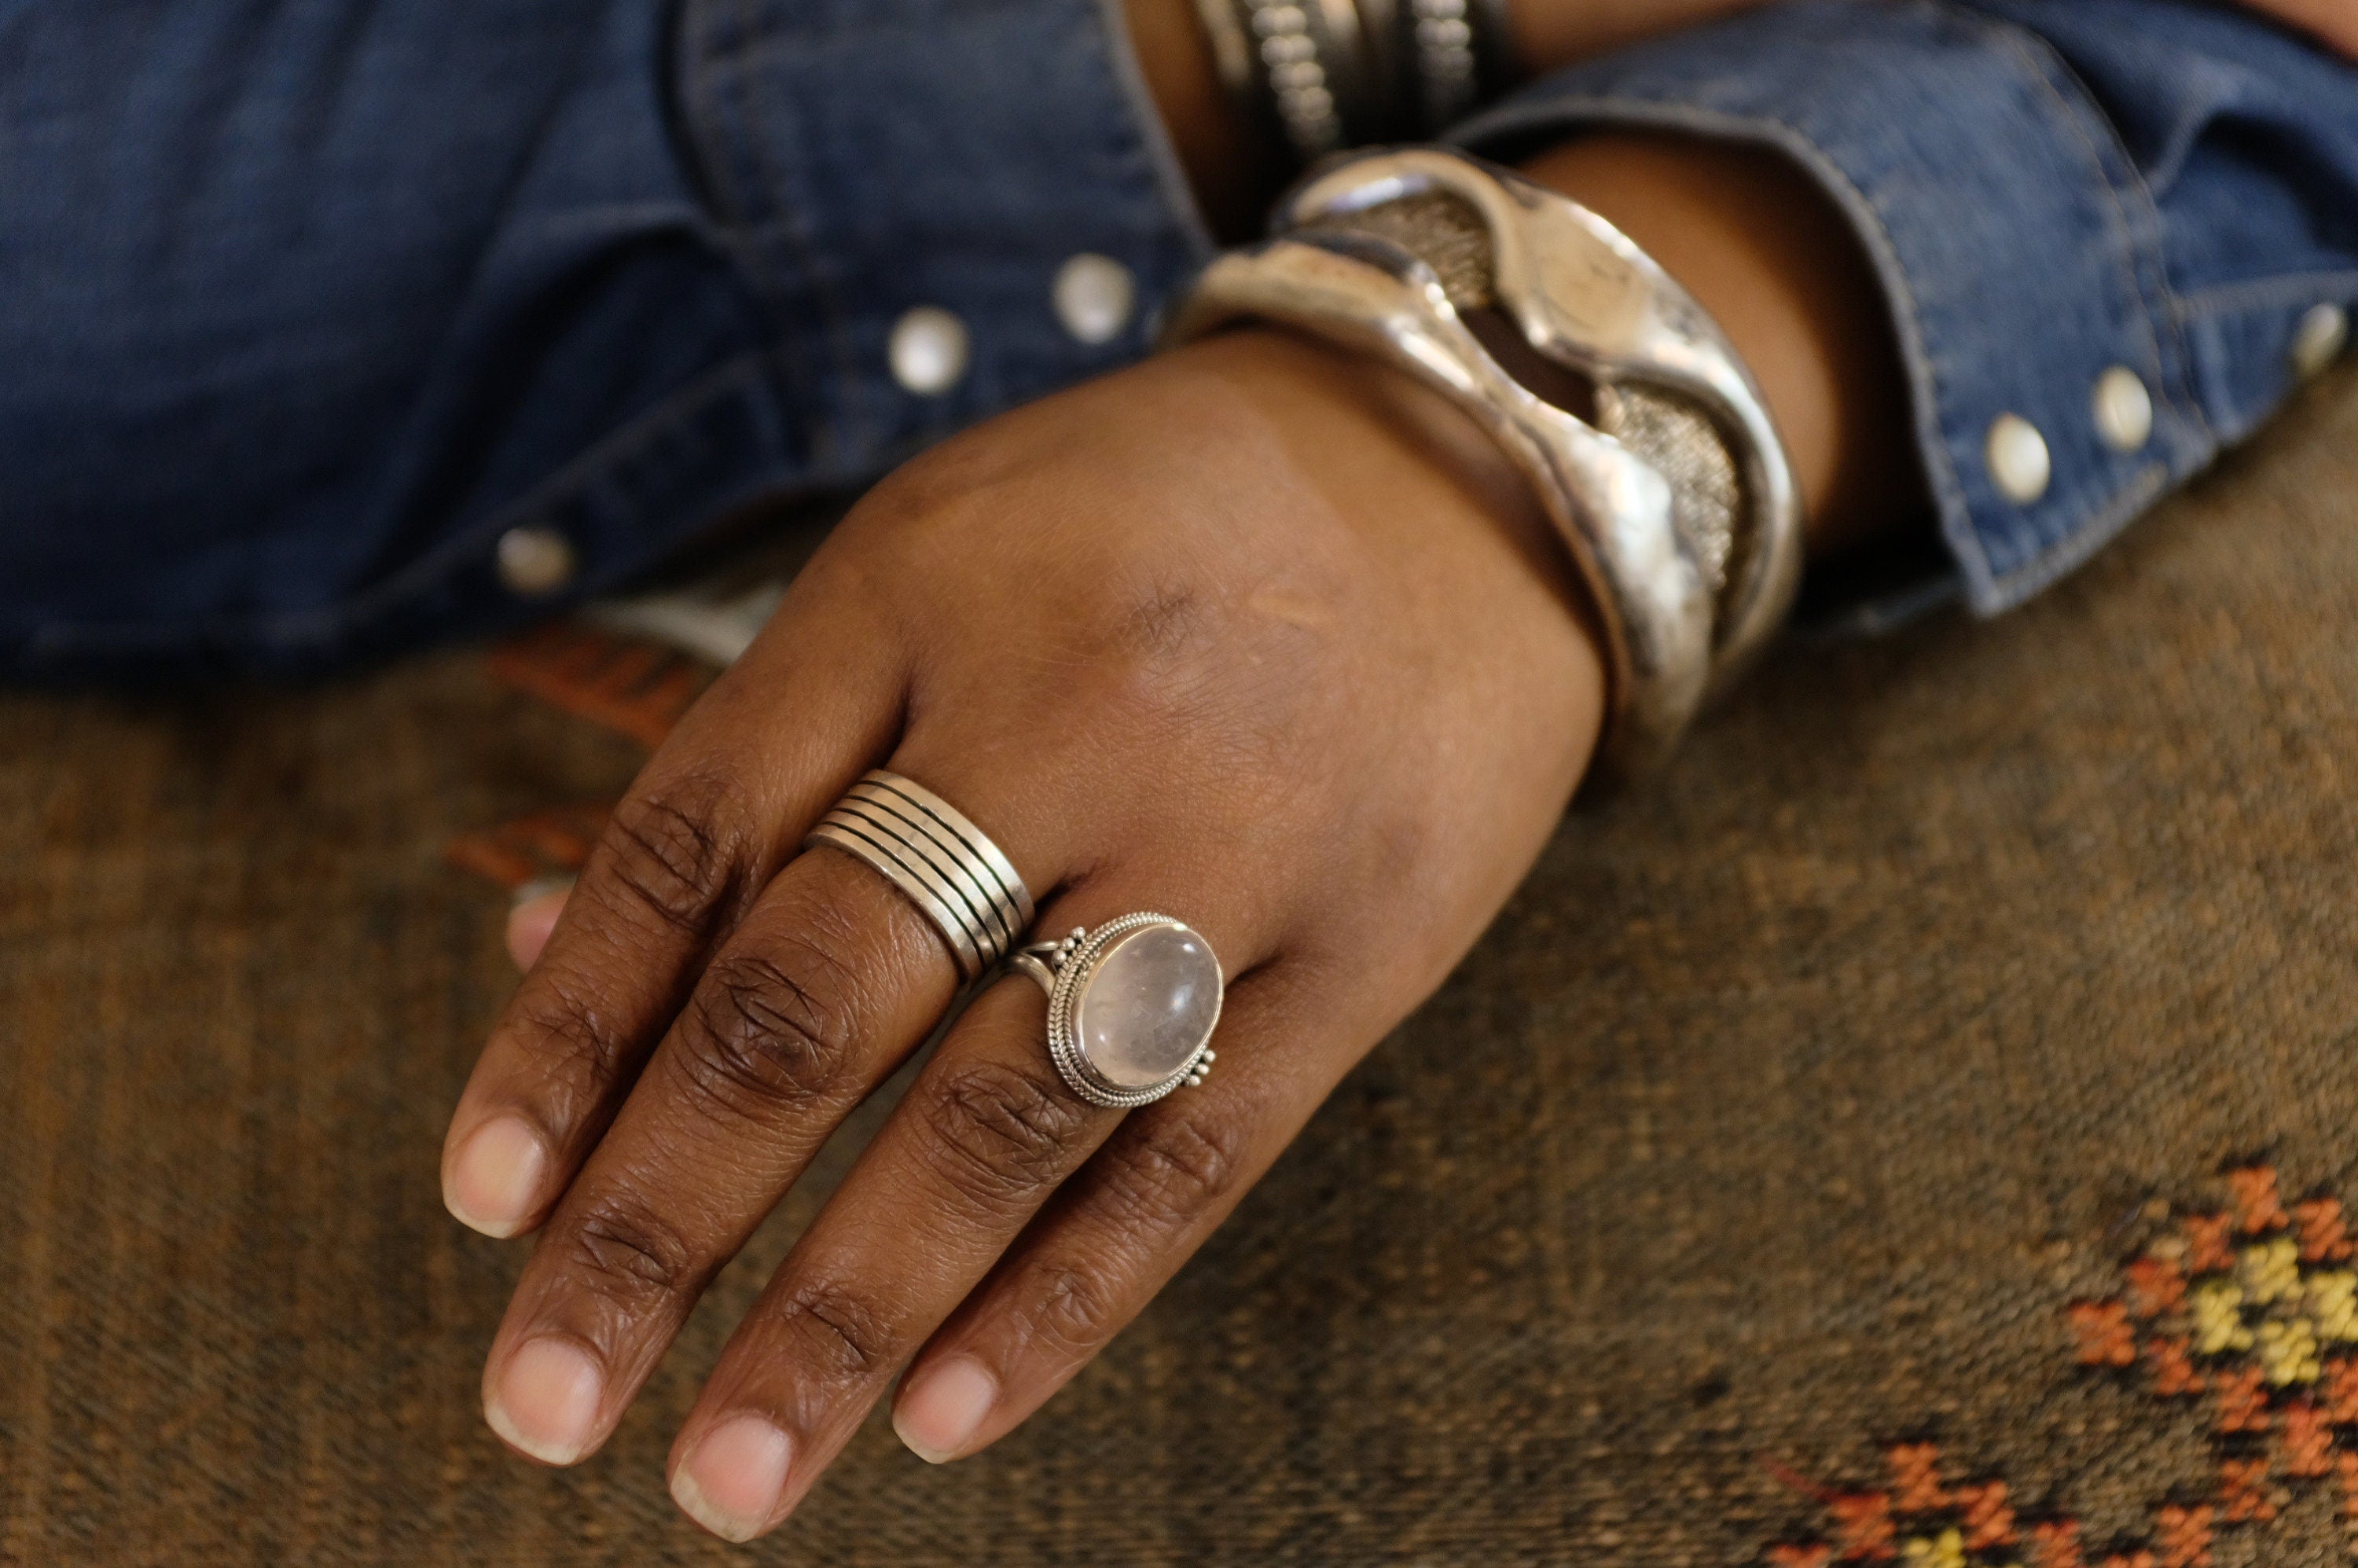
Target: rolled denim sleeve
{"type": "Point", "coordinates": [2058, 196]}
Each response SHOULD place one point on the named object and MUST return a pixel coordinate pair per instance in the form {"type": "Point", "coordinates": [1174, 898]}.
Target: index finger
{"type": "Point", "coordinates": [721, 807]}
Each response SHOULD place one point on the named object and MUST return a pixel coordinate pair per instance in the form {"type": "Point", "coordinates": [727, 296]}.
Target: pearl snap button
{"type": "Point", "coordinates": [2323, 333]}
{"type": "Point", "coordinates": [535, 561]}
{"type": "Point", "coordinates": [928, 350]}
{"type": "Point", "coordinates": [2124, 410]}
{"type": "Point", "coordinates": [1094, 296]}
{"type": "Point", "coordinates": [2019, 460]}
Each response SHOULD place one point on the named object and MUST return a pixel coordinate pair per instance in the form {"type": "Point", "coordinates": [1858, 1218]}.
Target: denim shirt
{"type": "Point", "coordinates": [305, 310]}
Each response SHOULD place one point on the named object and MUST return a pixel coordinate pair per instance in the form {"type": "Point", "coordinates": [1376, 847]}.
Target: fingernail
{"type": "Point", "coordinates": [532, 916]}
{"type": "Point", "coordinates": [731, 1480]}
{"type": "Point", "coordinates": [546, 1401]}
{"type": "Point", "coordinates": [943, 1408]}
{"type": "Point", "coordinates": [494, 1183]}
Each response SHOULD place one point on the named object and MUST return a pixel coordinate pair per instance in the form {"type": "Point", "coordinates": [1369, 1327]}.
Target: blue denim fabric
{"type": "Point", "coordinates": [302, 307]}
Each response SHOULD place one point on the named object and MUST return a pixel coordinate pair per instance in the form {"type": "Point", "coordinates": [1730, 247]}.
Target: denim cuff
{"type": "Point", "coordinates": [2020, 250]}
{"type": "Point", "coordinates": [884, 156]}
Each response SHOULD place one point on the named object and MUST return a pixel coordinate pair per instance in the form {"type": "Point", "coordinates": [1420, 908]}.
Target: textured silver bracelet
{"type": "Point", "coordinates": [1666, 477]}
{"type": "Point", "coordinates": [1308, 66]}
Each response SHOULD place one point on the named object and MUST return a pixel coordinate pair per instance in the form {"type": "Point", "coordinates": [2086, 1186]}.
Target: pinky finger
{"type": "Point", "coordinates": [532, 918]}
{"type": "Point", "coordinates": [1121, 1227]}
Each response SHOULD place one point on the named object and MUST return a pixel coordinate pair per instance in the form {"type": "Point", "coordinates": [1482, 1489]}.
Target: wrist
{"type": "Point", "coordinates": [1433, 493]}
{"type": "Point", "coordinates": [1766, 253]}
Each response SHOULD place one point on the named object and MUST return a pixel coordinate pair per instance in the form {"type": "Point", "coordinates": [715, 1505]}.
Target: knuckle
{"type": "Point", "coordinates": [675, 853]}
{"type": "Point", "coordinates": [769, 1030]}
{"type": "Point", "coordinates": [1070, 1309]}
{"type": "Point", "coordinates": [569, 1033]}
{"type": "Point", "coordinates": [1167, 623]}
{"type": "Point", "coordinates": [623, 1250]}
{"type": "Point", "coordinates": [837, 1331]}
{"type": "Point", "coordinates": [1166, 1178]}
{"type": "Point", "coordinates": [1154, 652]}
{"type": "Point", "coordinates": [1000, 1134]}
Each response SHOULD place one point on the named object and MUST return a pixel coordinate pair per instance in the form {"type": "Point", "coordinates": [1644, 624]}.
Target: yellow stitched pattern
{"type": "Point", "coordinates": [2333, 1305]}
{"type": "Point", "coordinates": [2218, 1326]}
{"type": "Point", "coordinates": [1946, 1550]}
{"type": "Point", "coordinates": [2270, 1270]}
{"type": "Point", "coordinates": [2288, 1352]}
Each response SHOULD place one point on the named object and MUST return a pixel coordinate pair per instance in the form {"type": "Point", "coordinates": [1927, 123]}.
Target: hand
{"type": "Point", "coordinates": [1251, 633]}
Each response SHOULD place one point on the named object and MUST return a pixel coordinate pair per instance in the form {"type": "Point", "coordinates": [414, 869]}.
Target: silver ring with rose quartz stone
{"type": "Point", "coordinates": [1131, 1006]}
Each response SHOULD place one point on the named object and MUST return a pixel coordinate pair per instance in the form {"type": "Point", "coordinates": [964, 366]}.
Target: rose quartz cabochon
{"type": "Point", "coordinates": [1149, 1006]}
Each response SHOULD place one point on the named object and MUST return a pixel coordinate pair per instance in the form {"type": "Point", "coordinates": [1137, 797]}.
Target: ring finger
{"type": "Point", "coordinates": [824, 988]}
{"type": "Point", "coordinates": [986, 1134]}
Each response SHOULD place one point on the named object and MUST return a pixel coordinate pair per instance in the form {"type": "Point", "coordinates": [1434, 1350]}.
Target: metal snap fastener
{"type": "Point", "coordinates": [534, 562]}
{"type": "Point", "coordinates": [2018, 458]}
{"type": "Point", "coordinates": [1094, 296]}
{"type": "Point", "coordinates": [928, 351]}
{"type": "Point", "coordinates": [2124, 410]}
{"type": "Point", "coordinates": [2323, 333]}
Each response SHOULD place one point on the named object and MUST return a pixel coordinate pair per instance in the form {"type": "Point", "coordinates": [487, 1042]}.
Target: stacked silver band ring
{"type": "Point", "coordinates": [1131, 1005]}
{"type": "Point", "coordinates": [946, 865]}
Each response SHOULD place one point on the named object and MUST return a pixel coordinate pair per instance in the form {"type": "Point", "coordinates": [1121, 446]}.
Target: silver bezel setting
{"type": "Point", "coordinates": [1074, 963]}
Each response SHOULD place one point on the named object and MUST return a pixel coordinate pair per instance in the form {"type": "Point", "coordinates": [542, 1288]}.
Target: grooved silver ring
{"type": "Point", "coordinates": [962, 883]}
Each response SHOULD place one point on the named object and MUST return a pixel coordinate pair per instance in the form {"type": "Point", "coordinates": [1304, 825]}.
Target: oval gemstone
{"type": "Point", "coordinates": [1148, 1006]}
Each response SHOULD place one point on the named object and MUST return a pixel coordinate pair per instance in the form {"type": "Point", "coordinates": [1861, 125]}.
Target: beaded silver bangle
{"type": "Point", "coordinates": [1336, 74]}
{"type": "Point", "coordinates": [1447, 71]}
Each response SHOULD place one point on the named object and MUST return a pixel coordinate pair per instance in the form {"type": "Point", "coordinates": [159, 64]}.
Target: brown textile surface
{"type": "Point", "coordinates": [1811, 1106]}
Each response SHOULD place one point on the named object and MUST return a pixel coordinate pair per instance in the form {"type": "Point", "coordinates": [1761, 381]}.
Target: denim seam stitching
{"type": "Point", "coordinates": [2141, 239]}
{"type": "Point", "coordinates": [756, 191]}
{"type": "Point", "coordinates": [724, 140]}
{"type": "Point", "coordinates": [1121, 56]}
{"type": "Point", "coordinates": [2099, 527]}
{"type": "Point", "coordinates": [2269, 293]}
{"type": "Point", "coordinates": [587, 468]}
{"type": "Point", "coordinates": [835, 319]}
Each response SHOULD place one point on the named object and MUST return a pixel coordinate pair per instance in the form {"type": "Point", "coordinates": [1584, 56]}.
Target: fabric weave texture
{"type": "Point", "coordinates": [1787, 1118]}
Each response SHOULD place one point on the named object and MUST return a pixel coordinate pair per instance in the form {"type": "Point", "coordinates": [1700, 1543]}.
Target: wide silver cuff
{"type": "Point", "coordinates": [1674, 495]}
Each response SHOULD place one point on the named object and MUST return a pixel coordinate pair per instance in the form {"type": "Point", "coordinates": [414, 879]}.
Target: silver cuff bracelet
{"type": "Point", "coordinates": [1664, 476]}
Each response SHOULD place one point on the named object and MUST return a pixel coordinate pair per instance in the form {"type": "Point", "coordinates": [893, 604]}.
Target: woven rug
{"type": "Point", "coordinates": [1918, 1132]}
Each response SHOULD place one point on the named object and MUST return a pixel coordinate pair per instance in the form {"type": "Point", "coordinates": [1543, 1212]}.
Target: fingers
{"type": "Point", "coordinates": [811, 1002]}
{"type": "Point", "coordinates": [1122, 1226]}
{"type": "Point", "coordinates": [984, 1138]}
{"type": "Point", "coordinates": [984, 1135]}
{"type": "Point", "coordinates": [818, 995]}
{"type": "Point", "coordinates": [717, 810]}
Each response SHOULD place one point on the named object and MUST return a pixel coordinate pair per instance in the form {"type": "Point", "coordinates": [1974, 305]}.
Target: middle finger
{"type": "Point", "coordinates": [828, 984]}
{"type": "Point", "coordinates": [986, 1134]}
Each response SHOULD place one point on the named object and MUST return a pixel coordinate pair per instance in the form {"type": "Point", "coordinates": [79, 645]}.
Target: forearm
{"type": "Point", "coordinates": [1234, 168]}
{"type": "Point", "coordinates": [1762, 243]}
{"type": "Point", "coordinates": [1767, 253]}
{"type": "Point", "coordinates": [1748, 233]}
